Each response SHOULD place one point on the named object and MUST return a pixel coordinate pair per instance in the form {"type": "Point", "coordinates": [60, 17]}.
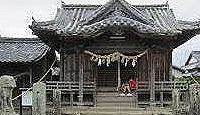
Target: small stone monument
{"type": "Point", "coordinates": [57, 101]}
{"type": "Point", "coordinates": [39, 99]}
{"type": "Point", "coordinates": [194, 99]}
{"type": "Point", "coordinates": [175, 99]}
{"type": "Point", "coordinates": [7, 83]}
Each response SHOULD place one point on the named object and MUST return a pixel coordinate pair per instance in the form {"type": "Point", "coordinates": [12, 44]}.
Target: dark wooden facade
{"type": "Point", "coordinates": [116, 26]}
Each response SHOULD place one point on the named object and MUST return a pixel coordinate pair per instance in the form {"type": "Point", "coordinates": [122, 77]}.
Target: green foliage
{"type": "Point", "coordinates": [189, 79]}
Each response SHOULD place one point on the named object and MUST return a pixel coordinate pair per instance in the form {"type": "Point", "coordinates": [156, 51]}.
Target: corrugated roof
{"type": "Point", "coordinates": [22, 49]}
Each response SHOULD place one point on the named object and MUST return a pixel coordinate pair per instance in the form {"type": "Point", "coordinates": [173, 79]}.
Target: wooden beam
{"type": "Point", "coordinates": [21, 74]}
{"type": "Point", "coordinates": [170, 64]}
{"type": "Point", "coordinates": [161, 94]}
{"type": "Point", "coordinates": [80, 80]}
{"type": "Point", "coordinates": [61, 62]}
{"type": "Point", "coordinates": [118, 74]}
{"type": "Point", "coordinates": [95, 83]}
{"type": "Point", "coordinates": [31, 75]}
{"type": "Point", "coordinates": [152, 81]}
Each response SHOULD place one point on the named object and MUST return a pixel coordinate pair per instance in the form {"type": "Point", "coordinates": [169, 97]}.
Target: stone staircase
{"type": "Point", "coordinates": [111, 103]}
{"type": "Point", "coordinates": [113, 99]}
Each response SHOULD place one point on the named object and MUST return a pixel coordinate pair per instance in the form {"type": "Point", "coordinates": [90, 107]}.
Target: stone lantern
{"type": "Point", "coordinates": [7, 84]}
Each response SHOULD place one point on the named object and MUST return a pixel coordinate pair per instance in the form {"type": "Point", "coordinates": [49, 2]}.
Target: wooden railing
{"type": "Point", "coordinates": [69, 86]}
{"type": "Point", "coordinates": [143, 86]}
{"type": "Point", "coordinates": [163, 85]}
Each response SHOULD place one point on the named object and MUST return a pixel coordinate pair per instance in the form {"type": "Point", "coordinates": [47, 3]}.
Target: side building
{"type": "Point", "coordinates": [27, 59]}
{"type": "Point", "coordinates": [192, 65]}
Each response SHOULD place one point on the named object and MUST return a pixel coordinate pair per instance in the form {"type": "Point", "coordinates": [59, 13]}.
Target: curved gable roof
{"type": "Point", "coordinates": [75, 21]}
{"type": "Point", "coordinates": [72, 19]}
{"type": "Point", "coordinates": [118, 8]}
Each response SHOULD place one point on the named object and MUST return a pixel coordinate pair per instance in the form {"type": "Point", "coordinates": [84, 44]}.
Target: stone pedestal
{"type": "Point", "coordinates": [7, 83]}
{"type": "Point", "coordinates": [39, 99]}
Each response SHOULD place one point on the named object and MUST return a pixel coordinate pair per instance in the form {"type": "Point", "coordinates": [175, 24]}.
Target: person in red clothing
{"type": "Point", "coordinates": [133, 84]}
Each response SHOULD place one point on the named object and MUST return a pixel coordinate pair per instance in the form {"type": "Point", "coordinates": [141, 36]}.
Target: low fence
{"type": "Point", "coordinates": [68, 92]}
{"type": "Point", "coordinates": [69, 86]}
{"type": "Point", "coordinates": [163, 85]}
{"type": "Point", "coordinates": [90, 86]}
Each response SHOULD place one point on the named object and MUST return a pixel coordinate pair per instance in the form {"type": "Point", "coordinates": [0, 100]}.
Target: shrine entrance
{"type": "Point", "coordinates": [112, 76]}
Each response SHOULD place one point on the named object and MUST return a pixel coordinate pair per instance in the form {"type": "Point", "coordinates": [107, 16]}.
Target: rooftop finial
{"type": "Point", "coordinates": [62, 3]}
{"type": "Point", "coordinates": [33, 19]}
{"type": "Point", "coordinates": [167, 3]}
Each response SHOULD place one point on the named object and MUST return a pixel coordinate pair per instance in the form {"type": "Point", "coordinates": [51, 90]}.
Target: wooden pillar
{"type": "Point", "coordinates": [170, 65]}
{"type": "Point", "coordinates": [95, 74]}
{"type": "Point", "coordinates": [71, 98]}
{"type": "Point", "coordinates": [80, 80]}
{"type": "Point", "coordinates": [135, 99]}
{"type": "Point", "coordinates": [57, 101]}
{"type": "Point", "coordinates": [31, 75]}
{"type": "Point", "coordinates": [39, 99]}
{"type": "Point", "coordinates": [152, 81]}
{"type": "Point", "coordinates": [61, 61]}
{"type": "Point", "coordinates": [161, 94]}
{"type": "Point", "coordinates": [118, 74]}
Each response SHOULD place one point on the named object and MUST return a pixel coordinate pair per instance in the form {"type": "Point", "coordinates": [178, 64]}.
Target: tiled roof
{"type": "Point", "coordinates": [88, 19]}
{"type": "Point", "coordinates": [22, 49]}
{"type": "Point", "coordinates": [118, 17]}
{"type": "Point", "coordinates": [189, 25]}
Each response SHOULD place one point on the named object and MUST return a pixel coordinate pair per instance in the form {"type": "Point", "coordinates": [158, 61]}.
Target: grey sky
{"type": "Point", "coordinates": [15, 16]}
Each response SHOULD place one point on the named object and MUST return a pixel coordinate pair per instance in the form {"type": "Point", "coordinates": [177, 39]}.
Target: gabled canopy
{"type": "Point", "coordinates": [116, 8]}
{"type": "Point", "coordinates": [90, 20]}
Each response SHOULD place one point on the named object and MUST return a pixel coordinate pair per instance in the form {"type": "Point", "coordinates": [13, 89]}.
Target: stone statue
{"type": "Point", "coordinates": [7, 83]}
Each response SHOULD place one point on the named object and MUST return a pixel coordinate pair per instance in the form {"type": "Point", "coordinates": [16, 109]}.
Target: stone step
{"type": "Point", "coordinates": [116, 111]}
{"type": "Point", "coordinates": [115, 98]}
{"type": "Point", "coordinates": [128, 105]}
{"type": "Point", "coordinates": [107, 94]}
